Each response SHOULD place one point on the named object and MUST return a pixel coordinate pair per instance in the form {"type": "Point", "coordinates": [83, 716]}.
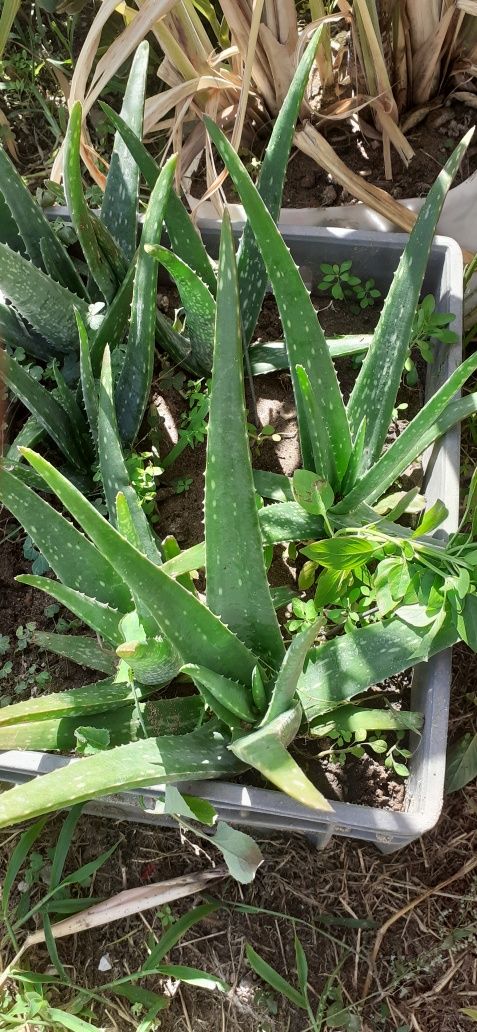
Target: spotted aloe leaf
{"type": "Point", "coordinates": [89, 387]}
{"type": "Point", "coordinates": [266, 751]}
{"type": "Point", "coordinates": [79, 211]}
{"type": "Point", "coordinates": [48, 412]}
{"type": "Point", "coordinates": [252, 271]}
{"type": "Point", "coordinates": [323, 459]}
{"type": "Point", "coordinates": [97, 615]}
{"type": "Point", "coordinates": [437, 416]}
{"type": "Point", "coordinates": [114, 474]}
{"type": "Point", "coordinates": [132, 390]}
{"type": "Point", "coordinates": [230, 695]}
{"type": "Point", "coordinates": [185, 240]}
{"type": "Point", "coordinates": [196, 633]}
{"type": "Point", "coordinates": [35, 229]}
{"type": "Point", "coordinates": [305, 341]}
{"type": "Point", "coordinates": [196, 756]}
{"type": "Point", "coordinates": [113, 326]}
{"type": "Point", "coordinates": [237, 586]}
{"type": "Point", "coordinates": [374, 393]}
{"type": "Point", "coordinates": [80, 649]}
{"type": "Point", "coordinates": [119, 207]}
{"type": "Point", "coordinates": [152, 661]}
{"type": "Point", "coordinates": [284, 689]}
{"type": "Point", "coordinates": [71, 556]}
{"type": "Point", "coordinates": [46, 305]}
{"type": "Point", "coordinates": [90, 699]}
{"type": "Point", "coordinates": [197, 301]}
{"type": "Point", "coordinates": [125, 723]}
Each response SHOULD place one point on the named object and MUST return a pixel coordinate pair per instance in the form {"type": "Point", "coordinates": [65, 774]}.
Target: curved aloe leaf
{"type": "Point", "coordinates": [48, 307]}
{"type": "Point", "coordinates": [197, 301]}
{"type": "Point", "coordinates": [79, 211]}
{"type": "Point", "coordinates": [35, 229]}
{"type": "Point", "coordinates": [251, 268]}
{"type": "Point", "coordinates": [231, 695]}
{"type": "Point", "coordinates": [323, 459]}
{"type": "Point", "coordinates": [85, 701]}
{"type": "Point", "coordinates": [97, 615]}
{"type": "Point", "coordinates": [72, 557]}
{"type": "Point", "coordinates": [113, 326]}
{"type": "Point", "coordinates": [306, 344]}
{"type": "Point", "coordinates": [266, 751]}
{"type": "Point", "coordinates": [430, 423]}
{"type": "Point", "coordinates": [185, 239]}
{"type": "Point", "coordinates": [286, 684]}
{"type": "Point", "coordinates": [197, 756]}
{"type": "Point", "coordinates": [237, 586]}
{"type": "Point", "coordinates": [195, 632]}
{"type": "Point", "coordinates": [151, 661]}
{"type": "Point", "coordinates": [271, 356]}
{"type": "Point", "coordinates": [79, 649]}
{"type": "Point", "coordinates": [133, 386]}
{"type": "Point", "coordinates": [88, 384]}
{"type": "Point", "coordinates": [119, 207]}
{"type": "Point", "coordinates": [46, 410]}
{"type": "Point", "coordinates": [374, 393]}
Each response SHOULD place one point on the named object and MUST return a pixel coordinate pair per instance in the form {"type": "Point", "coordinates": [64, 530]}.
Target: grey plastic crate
{"type": "Point", "coordinates": [373, 255]}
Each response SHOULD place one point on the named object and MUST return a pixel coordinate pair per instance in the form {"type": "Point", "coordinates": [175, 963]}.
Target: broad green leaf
{"type": "Point", "coordinates": [312, 494]}
{"type": "Point", "coordinates": [431, 519]}
{"type": "Point", "coordinates": [240, 852]}
{"type": "Point", "coordinates": [251, 268]}
{"type": "Point", "coordinates": [286, 684]}
{"type": "Point", "coordinates": [200, 755]}
{"type": "Point", "coordinates": [152, 661]}
{"type": "Point", "coordinates": [374, 393]}
{"type": "Point", "coordinates": [345, 666]}
{"type": "Point", "coordinates": [197, 301]}
{"type": "Point", "coordinates": [274, 979]}
{"type": "Point", "coordinates": [46, 305]}
{"type": "Point", "coordinates": [47, 410]}
{"type": "Point", "coordinates": [305, 341]}
{"type": "Point", "coordinates": [119, 207]}
{"type": "Point", "coordinates": [185, 239]}
{"type": "Point", "coordinates": [266, 751]}
{"type": "Point", "coordinates": [79, 649]}
{"type": "Point", "coordinates": [461, 767]}
{"type": "Point", "coordinates": [433, 420]}
{"type": "Point", "coordinates": [237, 585]}
{"type": "Point", "coordinates": [195, 632]}
{"type": "Point", "coordinates": [100, 617]}
{"type": "Point", "coordinates": [230, 694]}
{"type": "Point", "coordinates": [342, 553]}
{"type": "Point", "coordinates": [72, 557]}
{"type": "Point", "coordinates": [134, 383]}
{"type": "Point", "coordinates": [34, 227]}
{"type": "Point", "coordinates": [190, 807]}
{"type": "Point", "coordinates": [79, 211]}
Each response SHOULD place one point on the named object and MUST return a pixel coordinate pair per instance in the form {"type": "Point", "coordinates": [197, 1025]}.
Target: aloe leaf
{"type": "Point", "coordinates": [72, 557]}
{"type": "Point", "coordinates": [305, 341]}
{"type": "Point", "coordinates": [237, 586]}
{"type": "Point", "coordinates": [47, 306]}
{"type": "Point", "coordinates": [35, 229]}
{"type": "Point", "coordinates": [68, 402]}
{"type": "Point", "coordinates": [196, 633]}
{"type": "Point", "coordinates": [133, 386]}
{"type": "Point", "coordinates": [197, 301]}
{"type": "Point", "coordinates": [114, 474]}
{"type": "Point", "coordinates": [14, 332]}
{"type": "Point", "coordinates": [171, 550]}
{"type": "Point", "coordinates": [266, 751]}
{"type": "Point", "coordinates": [30, 433]}
{"type": "Point", "coordinates": [358, 718]}
{"type": "Point", "coordinates": [374, 393]}
{"type": "Point", "coordinates": [271, 356]}
{"type": "Point", "coordinates": [8, 228]}
{"type": "Point", "coordinates": [287, 521]}
{"type": "Point", "coordinates": [88, 384]}
{"type": "Point", "coordinates": [92, 698]}
{"type": "Point", "coordinates": [46, 410]}
{"type": "Point", "coordinates": [100, 617]}
{"type": "Point", "coordinates": [230, 694]}
{"type": "Point", "coordinates": [113, 326]}
{"type": "Point", "coordinates": [355, 459]}
{"type": "Point", "coordinates": [185, 240]}
{"type": "Point", "coordinates": [188, 560]}
{"type": "Point", "coordinates": [119, 207]}
{"type": "Point", "coordinates": [275, 486]}
{"type": "Point", "coordinates": [79, 211]}
{"type": "Point", "coordinates": [323, 461]}
{"type": "Point", "coordinates": [151, 661]}
{"type": "Point", "coordinates": [348, 665]}
{"type": "Point", "coordinates": [53, 264]}
{"type": "Point", "coordinates": [251, 269]}
{"type": "Point", "coordinates": [433, 420]}
{"type": "Point", "coordinates": [286, 684]}
{"type": "Point", "coordinates": [125, 724]}
{"type": "Point", "coordinates": [79, 649]}
{"type": "Point", "coordinates": [197, 756]}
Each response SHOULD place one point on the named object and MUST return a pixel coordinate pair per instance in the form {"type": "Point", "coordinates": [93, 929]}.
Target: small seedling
{"type": "Point", "coordinates": [339, 281]}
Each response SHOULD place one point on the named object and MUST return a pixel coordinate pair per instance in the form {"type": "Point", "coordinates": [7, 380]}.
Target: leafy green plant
{"type": "Point", "coordinates": [429, 326]}
{"type": "Point", "coordinates": [339, 281]}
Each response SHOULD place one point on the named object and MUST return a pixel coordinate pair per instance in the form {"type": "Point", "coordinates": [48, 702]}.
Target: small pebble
{"type": "Point", "coordinates": [329, 196]}
{"type": "Point", "coordinates": [104, 963]}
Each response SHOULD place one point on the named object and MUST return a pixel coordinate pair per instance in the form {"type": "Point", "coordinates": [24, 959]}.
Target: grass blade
{"type": "Point", "coordinates": [119, 207]}
{"type": "Point", "coordinates": [274, 979]}
{"type": "Point", "coordinates": [237, 585]}
{"type": "Point", "coordinates": [305, 341]}
{"type": "Point", "coordinates": [134, 383]}
{"type": "Point", "coordinates": [374, 393]}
